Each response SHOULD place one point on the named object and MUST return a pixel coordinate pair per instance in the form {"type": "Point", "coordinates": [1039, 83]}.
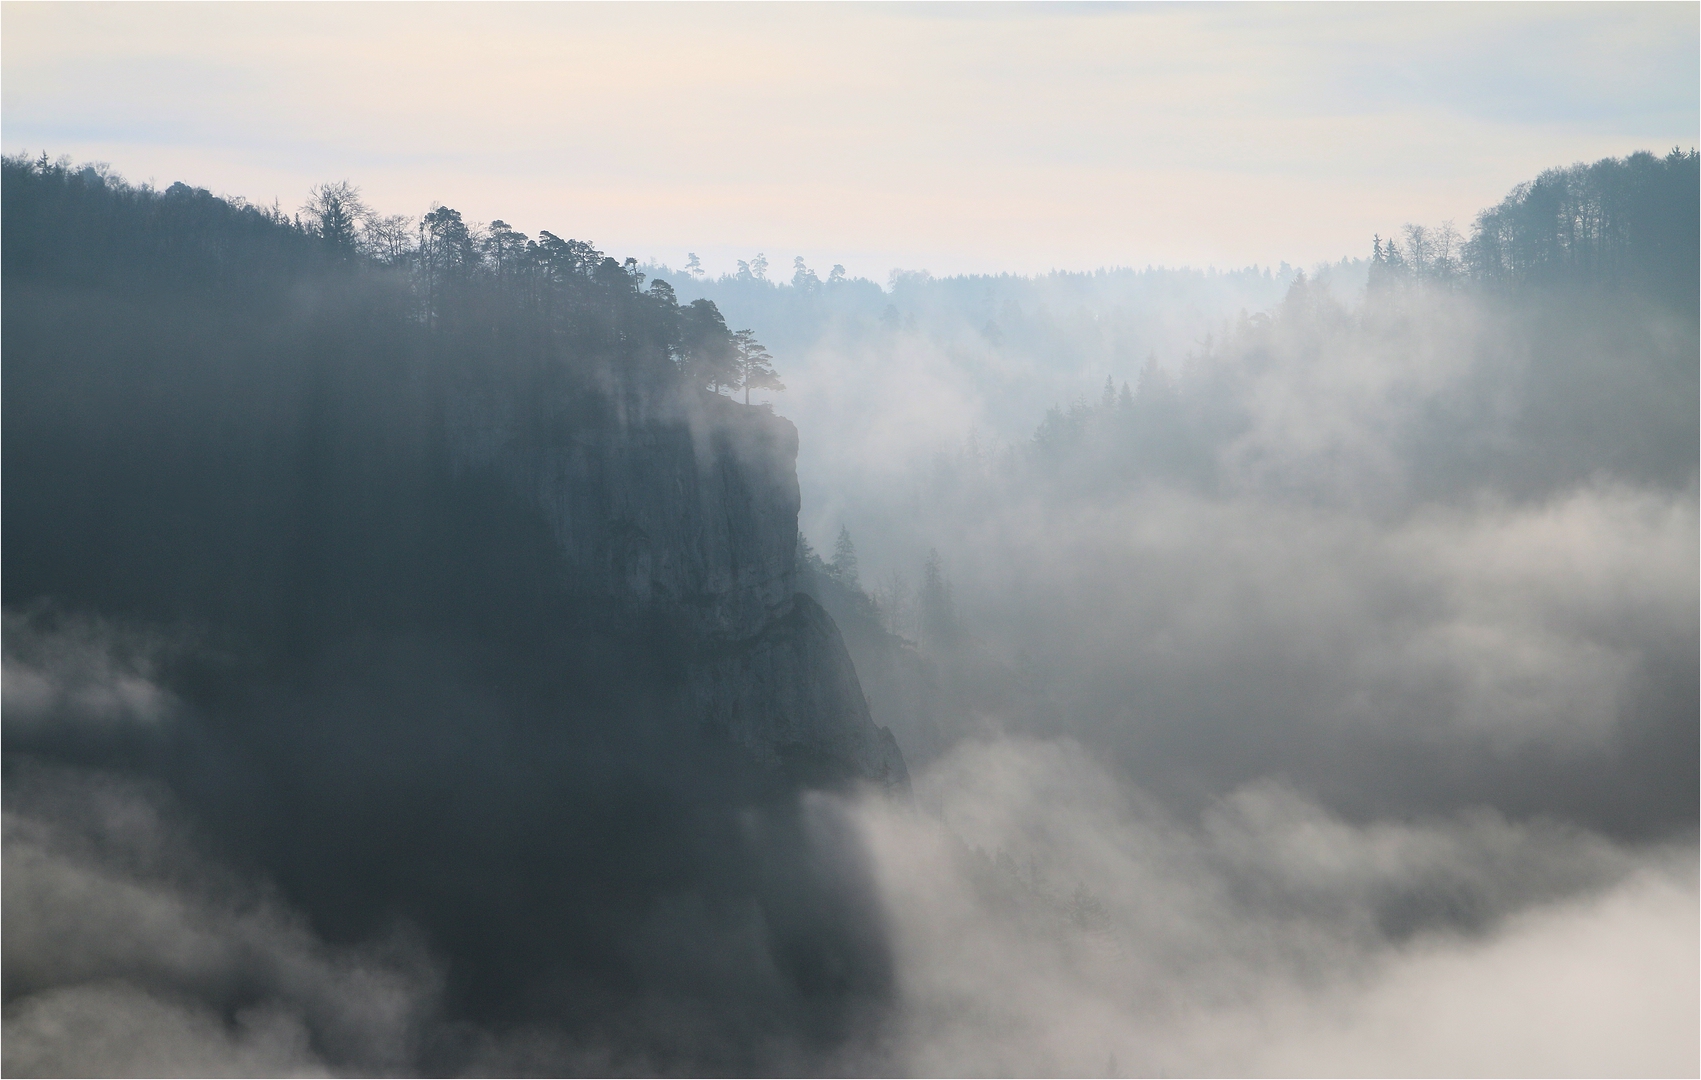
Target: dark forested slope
{"type": "Point", "coordinates": [470, 604]}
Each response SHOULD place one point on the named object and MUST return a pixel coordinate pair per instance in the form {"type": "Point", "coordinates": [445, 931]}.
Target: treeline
{"type": "Point", "coordinates": [559, 301]}
{"type": "Point", "coordinates": [1568, 327]}
{"type": "Point", "coordinates": [1322, 427]}
{"type": "Point", "coordinates": [273, 403]}
{"type": "Point", "coordinates": [1628, 222]}
{"type": "Point", "coordinates": [1061, 319]}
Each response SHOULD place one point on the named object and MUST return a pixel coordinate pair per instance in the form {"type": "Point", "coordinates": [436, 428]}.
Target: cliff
{"type": "Point", "coordinates": [466, 608]}
{"type": "Point", "coordinates": [685, 506]}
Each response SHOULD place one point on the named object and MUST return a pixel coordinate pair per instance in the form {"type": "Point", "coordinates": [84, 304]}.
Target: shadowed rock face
{"type": "Point", "coordinates": [690, 502]}
{"type": "Point", "coordinates": [687, 508]}
{"type": "Point", "coordinates": [790, 694]}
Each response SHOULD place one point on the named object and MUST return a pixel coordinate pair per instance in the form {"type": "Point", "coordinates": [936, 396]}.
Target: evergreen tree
{"type": "Point", "coordinates": [753, 366]}
{"type": "Point", "coordinates": [802, 278]}
{"type": "Point", "coordinates": [844, 560]}
{"type": "Point", "coordinates": [708, 353]}
{"type": "Point", "coordinates": [894, 603]}
{"type": "Point", "coordinates": [938, 614]}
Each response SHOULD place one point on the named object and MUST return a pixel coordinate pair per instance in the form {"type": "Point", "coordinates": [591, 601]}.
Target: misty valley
{"type": "Point", "coordinates": [436, 649]}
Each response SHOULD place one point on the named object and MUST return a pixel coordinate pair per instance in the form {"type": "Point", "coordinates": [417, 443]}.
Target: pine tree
{"type": "Point", "coordinates": [753, 365]}
{"type": "Point", "coordinates": [844, 560]}
{"type": "Point", "coordinates": [938, 617]}
{"type": "Point", "coordinates": [894, 603]}
{"type": "Point", "coordinates": [708, 351]}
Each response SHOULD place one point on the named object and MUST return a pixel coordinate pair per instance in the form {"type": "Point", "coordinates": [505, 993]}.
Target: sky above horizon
{"type": "Point", "coordinates": [952, 138]}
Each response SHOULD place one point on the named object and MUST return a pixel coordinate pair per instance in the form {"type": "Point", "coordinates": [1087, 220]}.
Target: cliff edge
{"type": "Point", "coordinates": [686, 507]}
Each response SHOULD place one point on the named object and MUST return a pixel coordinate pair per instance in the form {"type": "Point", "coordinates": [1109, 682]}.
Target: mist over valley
{"type": "Point", "coordinates": [434, 646]}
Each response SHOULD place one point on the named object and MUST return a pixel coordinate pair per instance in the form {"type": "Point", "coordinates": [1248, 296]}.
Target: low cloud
{"type": "Point", "coordinates": [1049, 921]}
{"type": "Point", "coordinates": [1044, 917]}
{"type": "Point", "coordinates": [63, 671]}
{"type": "Point", "coordinates": [128, 953]}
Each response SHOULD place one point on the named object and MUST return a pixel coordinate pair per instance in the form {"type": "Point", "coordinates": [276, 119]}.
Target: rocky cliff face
{"type": "Point", "coordinates": [687, 506]}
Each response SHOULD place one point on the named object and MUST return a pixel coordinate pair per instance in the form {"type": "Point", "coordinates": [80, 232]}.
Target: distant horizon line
{"type": "Point", "coordinates": [1281, 268]}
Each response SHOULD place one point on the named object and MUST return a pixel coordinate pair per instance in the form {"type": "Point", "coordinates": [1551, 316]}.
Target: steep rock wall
{"type": "Point", "coordinates": [688, 506]}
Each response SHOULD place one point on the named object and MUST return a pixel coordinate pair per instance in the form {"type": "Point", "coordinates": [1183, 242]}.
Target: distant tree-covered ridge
{"type": "Point", "coordinates": [1629, 222]}
{"type": "Point", "coordinates": [1544, 362]}
{"type": "Point", "coordinates": [1572, 307]}
{"type": "Point", "coordinates": [547, 299]}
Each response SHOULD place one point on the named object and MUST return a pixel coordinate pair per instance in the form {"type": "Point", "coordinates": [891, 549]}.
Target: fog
{"type": "Point", "coordinates": [1411, 547]}
{"type": "Point", "coordinates": [883, 375]}
{"type": "Point", "coordinates": [1296, 671]}
{"type": "Point", "coordinates": [1389, 562]}
{"type": "Point", "coordinates": [140, 957]}
{"type": "Point", "coordinates": [1050, 921]}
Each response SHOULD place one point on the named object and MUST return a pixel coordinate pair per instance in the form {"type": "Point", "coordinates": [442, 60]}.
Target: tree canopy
{"type": "Point", "coordinates": [552, 300]}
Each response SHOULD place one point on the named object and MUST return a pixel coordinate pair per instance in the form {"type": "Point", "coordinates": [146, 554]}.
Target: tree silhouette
{"type": "Point", "coordinates": [844, 560]}
{"type": "Point", "coordinates": [389, 239]}
{"type": "Point", "coordinates": [753, 367]}
{"type": "Point", "coordinates": [938, 612]}
{"type": "Point", "coordinates": [336, 213]}
{"type": "Point", "coordinates": [894, 602]}
{"type": "Point", "coordinates": [708, 353]}
{"type": "Point", "coordinates": [505, 249]}
{"type": "Point", "coordinates": [802, 278]}
{"type": "Point", "coordinates": [1624, 221]}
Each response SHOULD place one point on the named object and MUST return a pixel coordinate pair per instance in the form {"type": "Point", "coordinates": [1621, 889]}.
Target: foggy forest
{"type": "Point", "coordinates": [436, 648]}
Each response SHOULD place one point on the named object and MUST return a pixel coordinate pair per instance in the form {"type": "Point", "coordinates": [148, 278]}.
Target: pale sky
{"type": "Point", "coordinates": [951, 138]}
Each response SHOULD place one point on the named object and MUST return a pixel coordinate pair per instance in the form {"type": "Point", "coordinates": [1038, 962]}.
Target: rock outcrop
{"type": "Point", "coordinates": [688, 507]}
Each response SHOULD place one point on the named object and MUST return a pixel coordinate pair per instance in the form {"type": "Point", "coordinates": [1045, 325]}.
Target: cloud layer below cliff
{"type": "Point", "coordinates": [1043, 917]}
{"type": "Point", "coordinates": [1049, 921]}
